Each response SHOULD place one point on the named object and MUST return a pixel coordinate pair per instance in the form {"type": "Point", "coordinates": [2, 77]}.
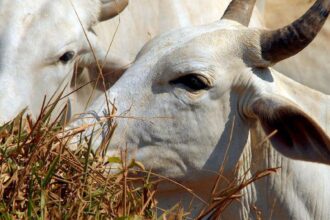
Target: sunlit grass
{"type": "Point", "coordinates": [41, 178]}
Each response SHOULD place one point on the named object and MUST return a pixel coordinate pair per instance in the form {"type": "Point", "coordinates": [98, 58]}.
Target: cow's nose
{"type": "Point", "coordinates": [11, 103]}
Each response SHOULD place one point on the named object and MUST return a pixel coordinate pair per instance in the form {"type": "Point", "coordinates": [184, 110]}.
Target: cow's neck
{"type": "Point", "coordinates": [312, 102]}
{"type": "Point", "coordinates": [299, 190]}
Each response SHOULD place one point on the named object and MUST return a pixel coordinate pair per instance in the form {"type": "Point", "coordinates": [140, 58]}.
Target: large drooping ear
{"type": "Point", "coordinates": [297, 136]}
{"type": "Point", "coordinates": [111, 8]}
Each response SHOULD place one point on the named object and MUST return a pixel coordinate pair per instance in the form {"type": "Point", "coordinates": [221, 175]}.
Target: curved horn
{"type": "Point", "coordinates": [240, 11]}
{"type": "Point", "coordinates": [111, 8]}
{"type": "Point", "coordinates": [283, 43]}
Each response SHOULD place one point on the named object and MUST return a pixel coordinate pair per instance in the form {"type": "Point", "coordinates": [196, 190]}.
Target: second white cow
{"type": "Point", "coordinates": [40, 41]}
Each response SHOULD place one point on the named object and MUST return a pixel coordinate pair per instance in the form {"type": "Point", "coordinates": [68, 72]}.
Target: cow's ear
{"type": "Point", "coordinates": [297, 135]}
{"type": "Point", "coordinates": [111, 8]}
{"type": "Point", "coordinates": [98, 61]}
{"type": "Point", "coordinates": [109, 70]}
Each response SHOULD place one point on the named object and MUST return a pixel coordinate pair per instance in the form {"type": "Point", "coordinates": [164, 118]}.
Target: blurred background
{"type": "Point", "coordinates": [311, 66]}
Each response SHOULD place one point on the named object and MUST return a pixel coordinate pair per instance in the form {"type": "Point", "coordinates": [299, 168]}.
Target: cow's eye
{"type": "Point", "coordinates": [66, 57]}
{"type": "Point", "coordinates": [192, 82]}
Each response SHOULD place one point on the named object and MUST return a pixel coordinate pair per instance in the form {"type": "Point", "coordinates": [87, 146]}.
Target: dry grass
{"type": "Point", "coordinates": [40, 178]}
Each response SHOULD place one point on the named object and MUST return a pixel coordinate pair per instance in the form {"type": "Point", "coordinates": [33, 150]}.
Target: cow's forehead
{"type": "Point", "coordinates": [18, 11]}
{"type": "Point", "coordinates": [28, 23]}
{"type": "Point", "coordinates": [179, 39]}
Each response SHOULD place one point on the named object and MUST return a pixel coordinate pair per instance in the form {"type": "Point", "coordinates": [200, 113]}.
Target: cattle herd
{"type": "Point", "coordinates": [200, 94]}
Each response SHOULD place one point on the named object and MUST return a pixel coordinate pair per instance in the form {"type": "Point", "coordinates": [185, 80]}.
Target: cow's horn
{"type": "Point", "coordinates": [283, 43]}
{"type": "Point", "coordinates": [111, 8]}
{"type": "Point", "coordinates": [240, 11]}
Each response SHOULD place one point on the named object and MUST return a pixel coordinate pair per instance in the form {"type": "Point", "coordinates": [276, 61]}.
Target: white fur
{"type": "Point", "coordinates": [33, 35]}
{"type": "Point", "coordinates": [184, 135]}
{"type": "Point", "coordinates": [144, 19]}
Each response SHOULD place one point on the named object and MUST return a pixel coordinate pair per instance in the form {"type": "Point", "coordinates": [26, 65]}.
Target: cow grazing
{"type": "Point", "coordinates": [207, 96]}
{"type": "Point", "coordinates": [39, 42]}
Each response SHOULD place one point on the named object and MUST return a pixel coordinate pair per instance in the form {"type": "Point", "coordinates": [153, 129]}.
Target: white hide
{"type": "Point", "coordinates": [142, 20]}
{"type": "Point", "coordinates": [34, 35]}
{"type": "Point", "coordinates": [184, 134]}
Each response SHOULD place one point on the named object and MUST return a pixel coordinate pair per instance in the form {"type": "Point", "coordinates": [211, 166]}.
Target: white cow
{"type": "Point", "coordinates": [30, 65]}
{"type": "Point", "coordinates": [146, 18]}
{"type": "Point", "coordinates": [137, 24]}
{"type": "Point", "coordinates": [195, 91]}
{"type": "Point", "coordinates": [39, 42]}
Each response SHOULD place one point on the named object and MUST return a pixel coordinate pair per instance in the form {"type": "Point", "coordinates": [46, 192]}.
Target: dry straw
{"type": "Point", "coordinates": [41, 178]}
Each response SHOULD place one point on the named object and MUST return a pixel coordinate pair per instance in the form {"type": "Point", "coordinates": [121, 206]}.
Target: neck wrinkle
{"type": "Point", "coordinates": [298, 190]}
{"type": "Point", "coordinates": [293, 192]}
{"type": "Point", "coordinates": [312, 102]}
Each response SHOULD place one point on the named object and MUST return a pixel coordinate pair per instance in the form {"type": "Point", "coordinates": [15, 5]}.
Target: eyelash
{"type": "Point", "coordinates": [193, 82]}
{"type": "Point", "coordinates": [67, 57]}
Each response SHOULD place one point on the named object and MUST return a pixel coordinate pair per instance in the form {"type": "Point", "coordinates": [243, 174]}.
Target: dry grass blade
{"type": "Point", "coordinates": [221, 200]}
{"type": "Point", "coordinates": [41, 178]}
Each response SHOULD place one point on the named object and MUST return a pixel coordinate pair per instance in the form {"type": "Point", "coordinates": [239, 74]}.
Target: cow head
{"type": "Point", "coordinates": [193, 92]}
{"type": "Point", "coordinates": [39, 44]}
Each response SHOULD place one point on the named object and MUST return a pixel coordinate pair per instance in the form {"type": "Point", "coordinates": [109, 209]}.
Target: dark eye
{"type": "Point", "coordinates": [66, 57]}
{"type": "Point", "coordinates": [193, 82]}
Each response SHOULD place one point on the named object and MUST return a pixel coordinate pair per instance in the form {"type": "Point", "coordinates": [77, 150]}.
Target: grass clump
{"type": "Point", "coordinates": [41, 178]}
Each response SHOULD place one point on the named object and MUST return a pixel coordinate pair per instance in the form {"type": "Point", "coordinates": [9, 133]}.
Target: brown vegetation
{"type": "Point", "coordinates": [41, 178]}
